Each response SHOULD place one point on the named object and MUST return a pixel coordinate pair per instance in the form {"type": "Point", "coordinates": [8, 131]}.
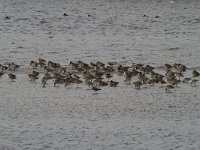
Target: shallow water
{"type": "Point", "coordinates": [74, 117]}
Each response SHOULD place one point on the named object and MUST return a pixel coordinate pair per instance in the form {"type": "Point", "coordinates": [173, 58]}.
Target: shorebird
{"type": "Point", "coordinates": [168, 87]}
{"type": "Point", "coordinates": [56, 75]}
{"type": "Point", "coordinates": [113, 83]}
{"type": "Point", "coordinates": [89, 83]}
{"type": "Point", "coordinates": [1, 73]}
{"type": "Point", "coordinates": [41, 64]}
{"type": "Point", "coordinates": [44, 82]}
{"type": "Point", "coordinates": [33, 77]}
{"type": "Point", "coordinates": [94, 88]}
{"type": "Point", "coordinates": [170, 74]}
{"type": "Point", "coordinates": [2, 67]}
{"type": "Point", "coordinates": [162, 81]}
{"type": "Point", "coordinates": [179, 67]}
{"type": "Point", "coordinates": [57, 81]}
{"type": "Point", "coordinates": [127, 75]}
{"type": "Point", "coordinates": [65, 14]}
{"type": "Point", "coordinates": [147, 69]}
{"type": "Point", "coordinates": [112, 63]}
{"type": "Point", "coordinates": [75, 80]}
{"type": "Point", "coordinates": [11, 76]}
{"type": "Point", "coordinates": [75, 76]}
{"type": "Point", "coordinates": [179, 75]}
{"type": "Point", "coordinates": [193, 82]}
{"type": "Point", "coordinates": [152, 81]}
{"type": "Point", "coordinates": [47, 76]}
{"type": "Point", "coordinates": [100, 64]}
{"type": "Point", "coordinates": [102, 83]}
{"type": "Point", "coordinates": [168, 66]}
{"type": "Point", "coordinates": [34, 64]}
{"type": "Point", "coordinates": [73, 65]}
{"type": "Point", "coordinates": [12, 66]}
{"type": "Point", "coordinates": [35, 73]}
{"type": "Point", "coordinates": [108, 69]}
{"type": "Point", "coordinates": [42, 60]}
{"type": "Point", "coordinates": [195, 73]}
{"type": "Point", "coordinates": [98, 74]}
{"type": "Point", "coordinates": [138, 66]}
{"type": "Point", "coordinates": [186, 80]}
{"type": "Point", "coordinates": [88, 76]}
{"type": "Point", "coordinates": [174, 82]}
{"type": "Point", "coordinates": [137, 84]}
{"type": "Point", "coordinates": [92, 65]}
{"type": "Point", "coordinates": [108, 76]}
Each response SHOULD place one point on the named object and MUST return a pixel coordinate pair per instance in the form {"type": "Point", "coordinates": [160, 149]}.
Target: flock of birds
{"type": "Point", "coordinates": [99, 74]}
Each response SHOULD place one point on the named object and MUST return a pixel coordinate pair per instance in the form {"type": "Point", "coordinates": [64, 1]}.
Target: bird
{"type": "Point", "coordinates": [193, 82]}
{"type": "Point", "coordinates": [44, 82]}
{"type": "Point", "coordinates": [94, 88]}
{"type": "Point", "coordinates": [102, 83]}
{"type": "Point", "coordinates": [1, 73]}
{"type": "Point", "coordinates": [108, 76]}
{"type": "Point", "coordinates": [168, 87]}
{"type": "Point", "coordinates": [41, 60]}
{"type": "Point", "coordinates": [137, 84]}
{"type": "Point", "coordinates": [168, 66]}
{"type": "Point", "coordinates": [195, 73]}
{"type": "Point", "coordinates": [33, 77]}
{"type": "Point", "coordinates": [34, 64]}
{"type": "Point", "coordinates": [35, 73]}
{"type": "Point", "coordinates": [65, 14]}
{"type": "Point", "coordinates": [75, 76]}
{"type": "Point", "coordinates": [186, 80]}
{"type": "Point", "coordinates": [113, 83]}
{"type": "Point", "coordinates": [57, 81]}
{"type": "Point", "coordinates": [12, 76]}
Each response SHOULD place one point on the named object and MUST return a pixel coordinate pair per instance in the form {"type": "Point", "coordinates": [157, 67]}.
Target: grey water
{"type": "Point", "coordinates": [151, 31]}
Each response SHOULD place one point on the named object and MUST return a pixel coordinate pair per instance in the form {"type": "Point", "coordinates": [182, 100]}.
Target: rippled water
{"type": "Point", "coordinates": [151, 32]}
{"type": "Point", "coordinates": [106, 30]}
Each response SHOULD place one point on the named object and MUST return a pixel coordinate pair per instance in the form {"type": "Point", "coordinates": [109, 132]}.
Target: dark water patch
{"type": "Point", "coordinates": [52, 52]}
{"type": "Point", "coordinates": [139, 55]}
{"type": "Point", "coordinates": [14, 52]}
{"type": "Point", "coordinates": [115, 45]}
{"type": "Point", "coordinates": [89, 56]}
{"type": "Point", "coordinates": [7, 18]}
{"type": "Point", "coordinates": [22, 19]}
{"type": "Point", "coordinates": [20, 47]}
{"type": "Point", "coordinates": [68, 39]}
{"type": "Point", "coordinates": [40, 11]}
{"type": "Point", "coordinates": [193, 21]}
{"type": "Point", "coordinates": [173, 33]}
{"type": "Point", "coordinates": [43, 21]}
{"type": "Point", "coordinates": [50, 37]}
{"type": "Point", "coordinates": [137, 28]}
{"type": "Point", "coordinates": [172, 49]}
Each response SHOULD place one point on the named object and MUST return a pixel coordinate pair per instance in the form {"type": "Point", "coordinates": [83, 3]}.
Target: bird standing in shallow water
{"type": "Point", "coordinates": [94, 88]}
{"type": "Point", "coordinates": [193, 82]}
{"type": "Point", "coordinates": [44, 82]}
{"type": "Point", "coordinates": [113, 83]}
{"type": "Point", "coordinates": [168, 87]}
{"type": "Point", "coordinates": [186, 80]}
{"type": "Point", "coordinates": [108, 76]}
{"type": "Point", "coordinates": [1, 73]}
{"type": "Point", "coordinates": [33, 77]}
{"type": "Point", "coordinates": [137, 85]}
{"type": "Point", "coordinates": [11, 76]}
{"type": "Point", "coordinates": [195, 73]}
